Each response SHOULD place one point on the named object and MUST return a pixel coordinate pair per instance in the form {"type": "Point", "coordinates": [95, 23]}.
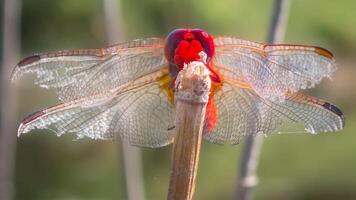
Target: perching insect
{"type": "Point", "coordinates": [128, 89]}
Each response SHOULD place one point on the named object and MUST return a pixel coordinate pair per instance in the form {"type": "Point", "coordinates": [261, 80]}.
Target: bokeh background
{"type": "Point", "coordinates": [292, 166]}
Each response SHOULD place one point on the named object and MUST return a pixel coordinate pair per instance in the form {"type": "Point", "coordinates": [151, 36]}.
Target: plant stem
{"type": "Point", "coordinates": [186, 150]}
{"type": "Point", "coordinates": [10, 51]}
{"type": "Point", "coordinates": [131, 155]}
{"type": "Point", "coordinates": [192, 88]}
{"type": "Point", "coordinates": [251, 152]}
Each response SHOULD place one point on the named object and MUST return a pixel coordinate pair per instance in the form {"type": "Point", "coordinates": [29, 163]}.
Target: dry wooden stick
{"type": "Point", "coordinates": [186, 150]}
{"type": "Point", "coordinates": [250, 155]}
{"type": "Point", "coordinates": [193, 86]}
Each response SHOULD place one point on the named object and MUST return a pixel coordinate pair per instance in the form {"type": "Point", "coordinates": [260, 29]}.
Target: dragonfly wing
{"type": "Point", "coordinates": [273, 70]}
{"type": "Point", "coordinates": [89, 72]}
{"type": "Point", "coordinates": [242, 112]}
{"type": "Point", "coordinates": [140, 113]}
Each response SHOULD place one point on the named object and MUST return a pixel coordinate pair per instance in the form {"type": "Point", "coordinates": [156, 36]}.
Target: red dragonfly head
{"type": "Point", "coordinates": [185, 45]}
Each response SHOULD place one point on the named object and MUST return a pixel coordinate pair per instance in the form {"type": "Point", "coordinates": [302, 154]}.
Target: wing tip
{"type": "Point", "coordinates": [32, 117]}
{"type": "Point", "coordinates": [16, 73]}
{"type": "Point", "coordinates": [29, 60]}
{"type": "Point", "coordinates": [336, 111]}
{"type": "Point", "coordinates": [319, 50]}
{"type": "Point", "coordinates": [21, 130]}
{"type": "Point", "coordinates": [324, 52]}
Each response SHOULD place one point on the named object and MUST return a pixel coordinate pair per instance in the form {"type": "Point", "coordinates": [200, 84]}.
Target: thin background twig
{"type": "Point", "coordinates": [10, 52]}
{"type": "Point", "coordinates": [251, 152]}
{"type": "Point", "coordinates": [131, 155]}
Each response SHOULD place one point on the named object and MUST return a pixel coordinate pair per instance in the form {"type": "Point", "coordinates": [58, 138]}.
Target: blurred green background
{"type": "Point", "coordinates": [293, 166]}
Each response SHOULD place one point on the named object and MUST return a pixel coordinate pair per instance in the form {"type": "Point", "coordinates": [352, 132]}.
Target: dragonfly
{"type": "Point", "coordinates": [127, 90]}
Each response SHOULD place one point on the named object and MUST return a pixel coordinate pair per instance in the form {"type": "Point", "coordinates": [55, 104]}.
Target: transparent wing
{"type": "Point", "coordinates": [273, 70]}
{"type": "Point", "coordinates": [89, 72]}
{"type": "Point", "coordinates": [140, 113]}
{"type": "Point", "coordinates": [242, 112]}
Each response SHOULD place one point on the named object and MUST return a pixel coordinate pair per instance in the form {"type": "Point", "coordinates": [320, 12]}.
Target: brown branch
{"type": "Point", "coordinates": [191, 96]}
{"type": "Point", "coordinates": [186, 150]}
{"type": "Point", "coordinates": [8, 104]}
{"type": "Point", "coordinates": [131, 155]}
{"type": "Point", "coordinates": [251, 152]}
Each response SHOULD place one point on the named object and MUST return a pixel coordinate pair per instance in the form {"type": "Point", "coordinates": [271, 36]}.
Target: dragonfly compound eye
{"type": "Point", "coordinates": [184, 45]}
